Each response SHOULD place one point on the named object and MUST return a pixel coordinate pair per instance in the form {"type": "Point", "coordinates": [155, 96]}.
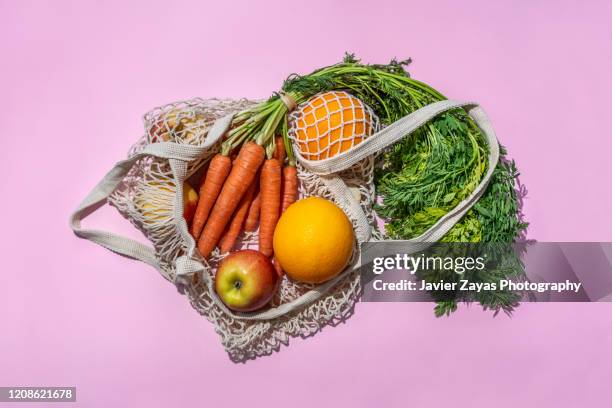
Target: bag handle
{"type": "Point", "coordinates": [389, 135]}
{"type": "Point", "coordinates": [100, 193]}
{"type": "Point", "coordinates": [371, 145]}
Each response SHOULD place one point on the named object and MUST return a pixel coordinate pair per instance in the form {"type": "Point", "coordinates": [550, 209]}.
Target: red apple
{"type": "Point", "coordinates": [246, 280]}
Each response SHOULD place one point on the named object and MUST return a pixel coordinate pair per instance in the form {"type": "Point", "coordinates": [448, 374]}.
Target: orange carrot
{"type": "Point", "coordinates": [218, 170]}
{"type": "Point", "coordinates": [279, 150]}
{"type": "Point", "coordinates": [290, 187]}
{"type": "Point", "coordinates": [270, 187]}
{"type": "Point", "coordinates": [253, 216]}
{"type": "Point", "coordinates": [231, 235]}
{"type": "Point", "coordinates": [240, 178]}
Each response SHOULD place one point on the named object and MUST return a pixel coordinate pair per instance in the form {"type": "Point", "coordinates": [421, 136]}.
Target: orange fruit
{"type": "Point", "coordinates": [330, 123]}
{"type": "Point", "coordinates": [313, 240]}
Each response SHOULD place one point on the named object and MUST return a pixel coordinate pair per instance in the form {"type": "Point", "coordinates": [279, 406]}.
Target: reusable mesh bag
{"type": "Point", "coordinates": [179, 139]}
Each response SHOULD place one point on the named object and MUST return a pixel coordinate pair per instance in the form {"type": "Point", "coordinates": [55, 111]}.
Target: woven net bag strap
{"type": "Point", "coordinates": [178, 155]}
{"type": "Point", "coordinates": [393, 133]}
{"type": "Point", "coordinates": [375, 143]}
{"type": "Point", "coordinates": [370, 146]}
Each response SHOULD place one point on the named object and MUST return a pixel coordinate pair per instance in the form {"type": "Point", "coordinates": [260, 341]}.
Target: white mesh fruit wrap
{"type": "Point", "coordinates": [330, 123]}
{"type": "Point", "coordinates": [146, 196]}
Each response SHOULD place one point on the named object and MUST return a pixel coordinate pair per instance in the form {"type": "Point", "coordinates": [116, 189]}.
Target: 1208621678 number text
{"type": "Point", "coordinates": [42, 394]}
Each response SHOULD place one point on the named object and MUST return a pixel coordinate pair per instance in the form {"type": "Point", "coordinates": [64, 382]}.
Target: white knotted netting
{"type": "Point", "coordinates": [146, 198]}
{"type": "Point", "coordinates": [330, 123]}
{"type": "Point", "coordinates": [147, 189]}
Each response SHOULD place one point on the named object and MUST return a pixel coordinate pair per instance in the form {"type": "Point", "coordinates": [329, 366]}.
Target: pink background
{"type": "Point", "coordinates": [76, 78]}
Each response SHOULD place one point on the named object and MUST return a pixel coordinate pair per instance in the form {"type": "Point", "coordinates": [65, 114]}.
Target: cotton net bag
{"type": "Point", "coordinates": [179, 140]}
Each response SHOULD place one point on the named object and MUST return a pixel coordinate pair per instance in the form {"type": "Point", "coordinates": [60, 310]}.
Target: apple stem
{"type": "Point", "coordinates": [237, 284]}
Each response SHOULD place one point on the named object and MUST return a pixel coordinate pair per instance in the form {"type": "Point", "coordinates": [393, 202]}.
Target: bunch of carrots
{"type": "Point", "coordinates": [237, 195]}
